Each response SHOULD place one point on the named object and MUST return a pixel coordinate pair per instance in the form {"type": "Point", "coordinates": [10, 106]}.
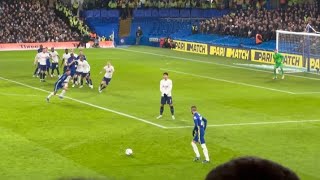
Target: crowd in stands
{"type": "Point", "coordinates": [253, 21]}
{"type": "Point", "coordinates": [32, 21]}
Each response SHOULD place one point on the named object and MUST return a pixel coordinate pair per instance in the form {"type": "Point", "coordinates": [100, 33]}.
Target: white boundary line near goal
{"type": "Point", "coordinates": [250, 124]}
{"type": "Point", "coordinates": [89, 104]}
{"type": "Point", "coordinates": [207, 62]}
{"type": "Point", "coordinates": [228, 81]}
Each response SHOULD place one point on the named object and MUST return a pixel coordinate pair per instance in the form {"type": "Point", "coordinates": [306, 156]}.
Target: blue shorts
{"type": "Point", "coordinates": [201, 139]}
{"type": "Point", "coordinates": [166, 100]}
{"type": "Point", "coordinates": [65, 69]}
{"type": "Point", "coordinates": [54, 66]}
{"type": "Point", "coordinates": [78, 73]}
{"type": "Point", "coordinates": [58, 85]}
{"type": "Point", "coordinates": [72, 72]}
{"type": "Point", "coordinates": [107, 80]}
{"type": "Point", "coordinates": [42, 67]}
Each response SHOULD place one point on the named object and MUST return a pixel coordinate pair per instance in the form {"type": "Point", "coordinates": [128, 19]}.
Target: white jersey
{"type": "Point", "coordinates": [109, 71]}
{"type": "Point", "coordinates": [86, 67]}
{"type": "Point", "coordinates": [65, 58]}
{"type": "Point", "coordinates": [42, 58]}
{"type": "Point", "coordinates": [166, 87]}
{"type": "Point", "coordinates": [54, 55]}
{"type": "Point", "coordinates": [80, 66]}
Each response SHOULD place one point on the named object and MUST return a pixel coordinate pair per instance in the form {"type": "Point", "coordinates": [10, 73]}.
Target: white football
{"type": "Point", "coordinates": [129, 152]}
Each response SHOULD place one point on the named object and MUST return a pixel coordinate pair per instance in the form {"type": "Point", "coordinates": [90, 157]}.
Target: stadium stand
{"type": "Point", "coordinates": [32, 21]}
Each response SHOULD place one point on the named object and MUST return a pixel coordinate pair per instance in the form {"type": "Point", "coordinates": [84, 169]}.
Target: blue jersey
{"type": "Point", "coordinates": [200, 123]}
{"type": "Point", "coordinates": [59, 84]}
{"type": "Point", "coordinates": [84, 57]}
{"type": "Point", "coordinates": [72, 66]}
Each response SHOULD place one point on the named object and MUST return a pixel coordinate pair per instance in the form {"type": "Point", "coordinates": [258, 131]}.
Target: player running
{"type": "Point", "coordinates": [41, 58]}
{"type": "Point", "coordinates": [107, 76]}
{"type": "Point", "coordinates": [55, 62]}
{"type": "Point", "coordinates": [62, 83]}
{"type": "Point", "coordinates": [65, 58]}
{"type": "Point", "coordinates": [278, 59]}
{"type": "Point", "coordinates": [200, 125]}
{"type": "Point", "coordinates": [166, 98]}
{"type": "Point", "coordinates": [86, 73]}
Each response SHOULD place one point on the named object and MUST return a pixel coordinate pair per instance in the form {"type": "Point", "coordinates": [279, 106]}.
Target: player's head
{"type": "Point", "coordinates": [165, 75]}
{"type": "Point", "coordinates": [81, 58]}
{"type": "Point", "coordinates": [41, 46]}
{"type": "Point", "coordinates": [193, 109]}
{"type": "Point", "coordinates": [251, 168]}
{"type": "Point", "coordinates": [66, 51]}
{"type": "Point", "coordinates": [276, 51]}
{"type": "Point", "coordinates": [68, 72]}
{"type": "Point", "coordinates": [108, 63]}
{"type": "Point", "coordinates": [80, 52]}
{"type": "Point", "coordinates": [52, 49]}
{"type": "Point", "coordinates": [44, 50]}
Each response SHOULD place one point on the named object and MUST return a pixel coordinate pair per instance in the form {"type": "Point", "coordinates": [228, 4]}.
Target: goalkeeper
{"type": "Point", "coordinates": [278, 59]}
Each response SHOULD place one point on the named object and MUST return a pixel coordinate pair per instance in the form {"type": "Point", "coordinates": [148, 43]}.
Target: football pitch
{"type": "Point", "coordinates": [86, 134]}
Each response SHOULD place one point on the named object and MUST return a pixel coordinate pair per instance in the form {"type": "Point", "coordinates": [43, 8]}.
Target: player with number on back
{"type": "Point", "coordinates": [166, 98]}
{"type": "Point", "coordinates": [200, 125]}
{"type": "Point", "coordinates": [61, 83]}
{"type": "Point", "coordinates": [107, 76]}
{"type": "Point", "coordinates": [278, 59]}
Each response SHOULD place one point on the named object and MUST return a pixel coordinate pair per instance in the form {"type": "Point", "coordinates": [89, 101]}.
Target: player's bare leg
{"type": "Point", "coordinates": [205, 153]}
{"type": "Point", "coordinates": [50, 95]}
{"type": "Point", "coordinates": [102, 86]}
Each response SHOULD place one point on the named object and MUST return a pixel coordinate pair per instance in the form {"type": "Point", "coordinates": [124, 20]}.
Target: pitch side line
{"type": "Point", "coordinates": [89, 104]}
{"type": "Point", "coordinates": [207, 62]}
{"type": "Point", "coordinates": [228, 81]}
{"type": "Point", "coordinates": [250, 124]}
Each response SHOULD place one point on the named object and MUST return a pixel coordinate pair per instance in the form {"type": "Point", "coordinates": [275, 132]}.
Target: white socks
{"type": "Point", "coordinates": [50, 95]}
{"type": "Point", "coordinates": [195, 149]}
{"type": "Point", "coordinates": [62, 93]}
{"type": "Point", "coordinates": [205, 152]}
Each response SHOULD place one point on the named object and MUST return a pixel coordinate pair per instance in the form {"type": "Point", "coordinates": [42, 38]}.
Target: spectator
{"type": "Point", "coordinates": [139, 34]}
{"type": "Point", "coordinates": [31, 21]}
{"type": "Point", "coordinates": [251, 168]}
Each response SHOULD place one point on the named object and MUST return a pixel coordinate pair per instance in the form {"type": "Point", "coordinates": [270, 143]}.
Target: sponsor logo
{"type": "Point", "coordinates": [197, 48]}
{"type": "Point", "coordinates": [314, 63]}
{"type": "Point", "coordinates": [217, 51]}
{"type": "Point", "coordinates": [153, 39]}
{"type": "Point", "coordinates": [267, 57]}
{"type": "Point", "coordinates": [238, 53]}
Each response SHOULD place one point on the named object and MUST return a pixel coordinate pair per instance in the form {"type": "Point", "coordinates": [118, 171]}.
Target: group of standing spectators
{"type": "Point", "coordinates": [32, 21]}
{"type": "Point", "coordinates": [250, 22]}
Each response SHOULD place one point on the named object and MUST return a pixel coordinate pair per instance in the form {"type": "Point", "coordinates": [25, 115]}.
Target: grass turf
{"type": "Point", "coordinates": [65, 138]}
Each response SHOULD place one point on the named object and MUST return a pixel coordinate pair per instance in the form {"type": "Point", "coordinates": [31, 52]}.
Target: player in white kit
{"type": "Point", "coordinates": [109, 69]}
{"type": "Point", "coordinates": [41, 58]}
{"type": "Point", "coordinates": [166, 97]}
{"type": "Point", "coordinates": [66, 55]}
{"type": "Point", "coordinates": [55, 62]}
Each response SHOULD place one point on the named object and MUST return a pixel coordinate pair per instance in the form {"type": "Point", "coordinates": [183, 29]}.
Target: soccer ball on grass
{"type": "Point", "coordinates": [129, 152]}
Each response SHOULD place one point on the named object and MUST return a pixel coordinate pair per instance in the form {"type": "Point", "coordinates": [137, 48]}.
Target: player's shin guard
{"type": "Point", "coordinates": [172, 110]}
{"type": "Point", "coordinates": [161, 110]}
{"type": "Point", "coordinates": [50, 95]}
{"type": "Point", "coordinates": [195, 149]}
{"type": "Point", "coordinates": [205, 152]}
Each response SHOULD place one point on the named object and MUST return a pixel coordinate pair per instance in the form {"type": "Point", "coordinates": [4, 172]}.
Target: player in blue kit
{"type": "Point", "coordinates": [200, 125]}
{"type": "Point", "coordinates": [72, 66]}
{"type": "Point", "coordinates": [62, 83]}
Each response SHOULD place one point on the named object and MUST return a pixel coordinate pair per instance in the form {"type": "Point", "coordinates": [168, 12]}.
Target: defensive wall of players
{"type": "Point", "coordinates": [244, 54]}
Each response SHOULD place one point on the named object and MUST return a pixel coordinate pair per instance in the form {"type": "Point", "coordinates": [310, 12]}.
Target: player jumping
{"type": "Point", "coordinates": [62, 83]}
{"type": "Point", "coordinates": [200, 125]}
{"type": "Point", "coordinates": [107, 76]}
{"type": "Point", "coordinates": [278, 59]}
{"type": "Point", "coordinates": [166, 98]}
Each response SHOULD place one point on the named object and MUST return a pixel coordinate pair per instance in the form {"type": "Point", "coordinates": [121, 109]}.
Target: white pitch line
{"type": "Point", "coordinates": [208, 62]}
{"type": "Point", "coordinates": [228, 81]}
{"type": "Point", "coordinates": [13, 94]}
{"type": "Point", "coordinates": [249, 124]}
{"type": "Point", "coordinates": [89, 104]}
{"type": "Point", "coordinates": [308, 93]}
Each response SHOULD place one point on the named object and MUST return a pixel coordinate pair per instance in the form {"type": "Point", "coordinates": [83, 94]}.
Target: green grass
{"type": "Point", "coordinates": [65, 138]}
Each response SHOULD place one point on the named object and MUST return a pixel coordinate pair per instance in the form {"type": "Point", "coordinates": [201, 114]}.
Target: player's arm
{"type": "Point", "coordinates": [162, 90]}
{"type": "Point", "coordinates": [170, 87]}
{"type": "Point", "coordinates": [35, 60]}
{"type": "Point", "coordinates": [195, 128]}
{"type": "Point", "coordinates": [205, 123]}
{"type": "Point", "coordinates": [103, 69]}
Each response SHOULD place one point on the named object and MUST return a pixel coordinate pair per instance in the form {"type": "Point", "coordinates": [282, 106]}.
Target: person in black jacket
{"type": "Point", "coordinates": [139, 34]}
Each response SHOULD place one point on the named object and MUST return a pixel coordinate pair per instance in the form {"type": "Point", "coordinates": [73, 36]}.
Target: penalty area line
{"type": "Point", "coordinates": [228, 81]}
{"type": "Point", "coordinates": [89, 104]}
{"type": "Point", "coordinates": [250, 124]}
